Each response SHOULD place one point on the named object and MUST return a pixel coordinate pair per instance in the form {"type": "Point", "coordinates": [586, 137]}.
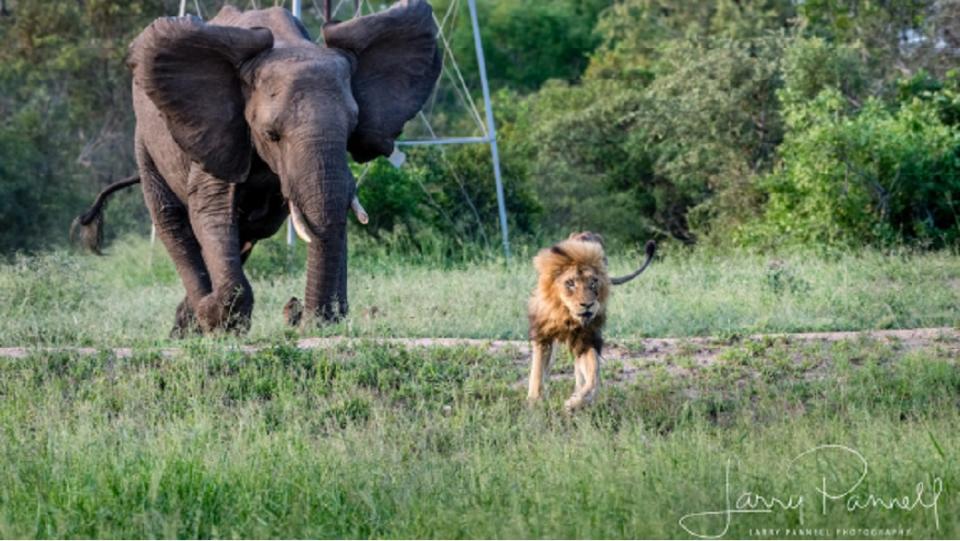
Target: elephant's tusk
{"type": "Point", "coordinates": [359, 211]}
{"type": "Point", "coordinates": [299, 225]}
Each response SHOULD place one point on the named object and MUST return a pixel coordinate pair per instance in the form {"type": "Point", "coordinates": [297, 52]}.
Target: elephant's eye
{"type": "Point", "coordinates": [273, 135]}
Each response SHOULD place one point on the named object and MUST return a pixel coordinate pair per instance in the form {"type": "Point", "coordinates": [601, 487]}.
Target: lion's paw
{"type": "Point", "coordinates": [573, 403]}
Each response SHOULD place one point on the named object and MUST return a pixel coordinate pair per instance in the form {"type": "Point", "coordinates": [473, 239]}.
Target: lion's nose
{"type": "Point", "coordinates": [586, 304]}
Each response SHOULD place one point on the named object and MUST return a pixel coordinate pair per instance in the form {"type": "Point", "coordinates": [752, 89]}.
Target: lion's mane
{"type": "Point", "coordinates": [549, 317]}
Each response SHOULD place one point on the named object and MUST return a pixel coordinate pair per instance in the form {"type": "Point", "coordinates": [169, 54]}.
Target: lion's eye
{"type": "Point", "coordinates": [569, 284]}
{"type": "Point", "coordinates": [594, 284]}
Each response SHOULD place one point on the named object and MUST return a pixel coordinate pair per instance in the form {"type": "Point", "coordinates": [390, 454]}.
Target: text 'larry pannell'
{"type": "Point", "coordinates": [822, 491]}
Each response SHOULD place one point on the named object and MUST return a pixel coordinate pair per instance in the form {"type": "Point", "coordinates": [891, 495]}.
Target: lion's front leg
{"type": "Point", "coordinates": [579, 377]}
{"type": "Point", "coordinates": [540, 360]}
{"type": "Point", "coordinates": [587, 370]}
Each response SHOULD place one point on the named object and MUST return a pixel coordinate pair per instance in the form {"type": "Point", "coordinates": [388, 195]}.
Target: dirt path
{"type": "Point", "coordinates": [634, 354]}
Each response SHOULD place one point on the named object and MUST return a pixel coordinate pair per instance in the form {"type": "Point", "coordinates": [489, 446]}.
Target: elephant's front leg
{"type": "Point", "coordinates": [172, 222]}
{"type": "Point", "coordinates": [214, 218]}
{"type": "Point", "coordinates": [185, 321]}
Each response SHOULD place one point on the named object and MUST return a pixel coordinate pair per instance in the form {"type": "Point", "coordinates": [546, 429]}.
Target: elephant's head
{"type": "Point", "coordinates": [255, 81]}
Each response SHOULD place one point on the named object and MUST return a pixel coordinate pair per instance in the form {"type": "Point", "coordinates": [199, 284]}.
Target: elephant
{"type": "Point", "coordinates": [244, 120]}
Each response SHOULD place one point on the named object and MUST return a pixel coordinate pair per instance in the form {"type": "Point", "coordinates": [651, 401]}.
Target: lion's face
{"type": "Point", "coordinates": [579, 290]}
{"type": "Point", "coordinates": [573, 282]}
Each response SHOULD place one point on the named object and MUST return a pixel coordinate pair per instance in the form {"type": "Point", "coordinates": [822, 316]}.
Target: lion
{"type": "Point", "coordinates": [569, 305]}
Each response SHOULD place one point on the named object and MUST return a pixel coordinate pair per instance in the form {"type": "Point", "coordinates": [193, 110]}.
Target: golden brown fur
{"type": "Point", "coordinates": [553, 306]}
{"type": "Point", "coordinates": [569, 306]}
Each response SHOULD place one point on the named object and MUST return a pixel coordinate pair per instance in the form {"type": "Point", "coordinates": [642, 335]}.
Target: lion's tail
{"type": "Point", "coordinates": [651, 249]}
{"type": "Point", "coordinates": [87, 229]}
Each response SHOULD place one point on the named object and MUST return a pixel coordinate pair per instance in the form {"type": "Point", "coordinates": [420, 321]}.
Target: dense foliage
{"type": "Point", "coordinates": [67, 122]}
{"type": "Point", "coordinates": [882, 175]}
{"type": "Point", "coordinates": [760, 123]}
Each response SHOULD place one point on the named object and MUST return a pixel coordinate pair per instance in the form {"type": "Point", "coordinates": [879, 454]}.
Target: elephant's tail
{"type": "Point", "coordinates": [87, 229]}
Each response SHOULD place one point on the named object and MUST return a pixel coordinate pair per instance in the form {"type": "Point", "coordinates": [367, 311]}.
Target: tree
{"type": "Point", "coordinates": [64, 96]}
{"type": "Point", "coordinates": [634, 33]}
{"type": "Point", "coordinates": [528, 41]}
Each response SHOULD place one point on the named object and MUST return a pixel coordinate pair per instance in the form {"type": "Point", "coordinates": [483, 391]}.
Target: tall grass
{"type": "Point", "coordinates": [129, 296]}
{"type": "Point", "coordinates": [378, 441]}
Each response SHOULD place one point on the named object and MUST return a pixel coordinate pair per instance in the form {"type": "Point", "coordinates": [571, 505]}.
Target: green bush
{"type": "Point", "coordinates": [811, 65]}
{"type": "Point", "coordinates": [391, 198]}
{"type": "Point", "coordinates": [448, 193]}
{"type": "Point", "coordinates": [876, 176]}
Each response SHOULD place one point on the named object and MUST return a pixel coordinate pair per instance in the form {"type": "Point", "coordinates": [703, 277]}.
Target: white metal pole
{"type": "Point", "coordinates": [291, 238]}
{"type": "Point", "coordinates": [183, 7]}
{"type": "Point", "coordinates": [491, 127]}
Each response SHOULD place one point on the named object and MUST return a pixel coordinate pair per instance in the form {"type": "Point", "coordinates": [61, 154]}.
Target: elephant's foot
{"type": "Point", "coordinates": [296, 313]}
{"type": "Point", "coordinates": [185, 321]}
{"type": "Point", "coordinates": [293, 312]}
{"type": "Point", "coordinates": [330, 312]}
{"type": "Point", "coordinates": [228, 310]}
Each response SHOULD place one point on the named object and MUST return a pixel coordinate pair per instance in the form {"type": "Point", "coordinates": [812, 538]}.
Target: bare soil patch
{"type": "Point", "coordinates": [635, 354]}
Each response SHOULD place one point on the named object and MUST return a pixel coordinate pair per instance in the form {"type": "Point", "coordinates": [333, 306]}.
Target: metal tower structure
{"type": "Point", "coordinates": [489, 136]}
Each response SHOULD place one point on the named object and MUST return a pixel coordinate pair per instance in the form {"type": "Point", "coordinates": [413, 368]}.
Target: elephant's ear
{"type": "Point", "coordinates": [398, 63]}
{"type": "Point", "coordinates": [191, 72]}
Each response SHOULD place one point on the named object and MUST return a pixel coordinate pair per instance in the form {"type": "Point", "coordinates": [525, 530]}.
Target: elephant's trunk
{"type": "Point", "coordinates": [322, 194]}
{"type": "Point", "coordinates": [326, 292]}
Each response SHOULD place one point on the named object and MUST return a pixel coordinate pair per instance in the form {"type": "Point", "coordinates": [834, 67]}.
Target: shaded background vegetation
{"type": "Point", "coordinates": [761, 123]}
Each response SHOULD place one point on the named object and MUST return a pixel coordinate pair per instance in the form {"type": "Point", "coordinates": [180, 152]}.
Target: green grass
{"type": "Point", "coordinates": [378, 441]}
{"type": "Point", "coordinates": [371, 440]}
{"type": "Point", "coordinates": [128, 297]}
